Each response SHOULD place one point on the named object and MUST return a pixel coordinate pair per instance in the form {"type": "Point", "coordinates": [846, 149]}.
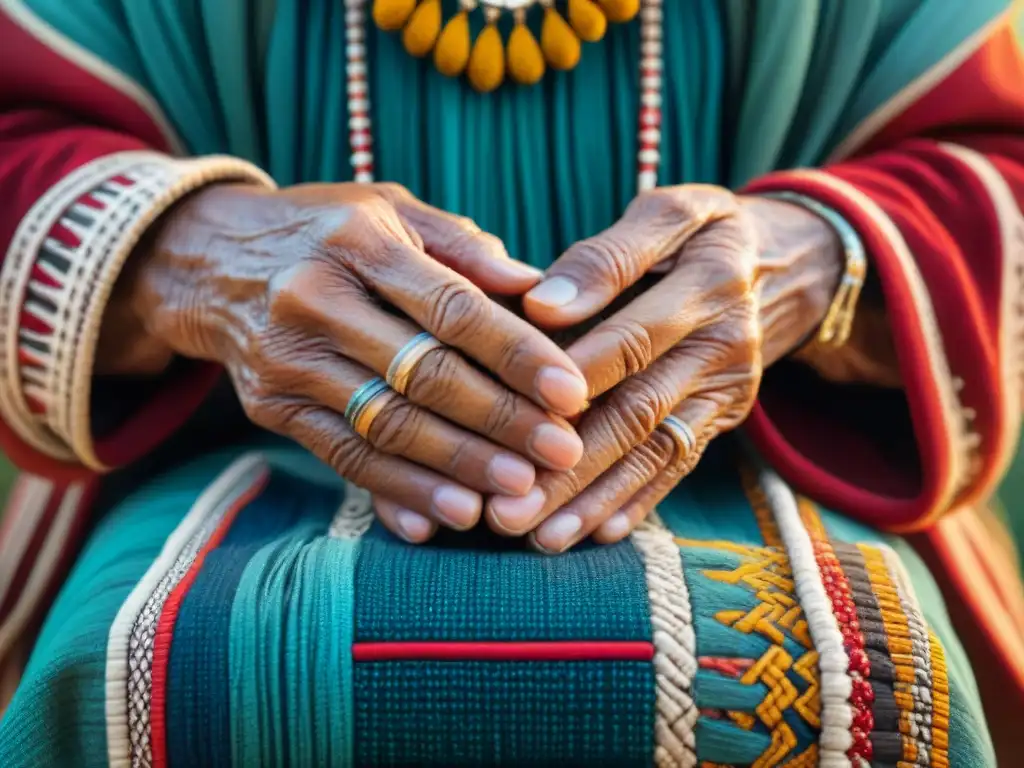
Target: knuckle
{"type": "Point", "coordinates": [601, 260]}
{"type": "Point", "coordinates": [392, 190]}
{"type": "Point", "coordinates": [633, 343]}
{"type": "Point", "coordinates": [349, 456]}
{"type": "Point", "coordinates": [559, 487]}
{"type": "Point", "coordinates": [457, 310]}
{"type": "Point", "coordinates": [643, 403]}
{"type": "Point", "coordinates": [396, 428]}
{"type": "Point", "coordinates": [434, 381]}
{"type": "Point", "coordinates": [516, 353]}
{"type": "Point", "coordinates": [502, 413]}
{"type": "Point", "coordinates": [620, 426]}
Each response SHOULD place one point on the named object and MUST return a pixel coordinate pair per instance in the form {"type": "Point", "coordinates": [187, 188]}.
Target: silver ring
{"type": "Point", "coordinates": [361, 399]}
{"type": "Point", "coordinates": [404, 363]}
{"type": "Point", "coordinates": [681, 433]}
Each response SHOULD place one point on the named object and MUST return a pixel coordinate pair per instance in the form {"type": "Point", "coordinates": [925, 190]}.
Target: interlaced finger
{"type": "Point", "coordinates": [703, 417]}
{"type": "Point", "coordinates": [719, 362]}
{"type": "Point", "coordinates": [429, 373]}
{"type": "Point", "coordinates": [332, 439]}
{"type": "Point", "coordinates": [458, 313]}
{"type": "Point", "coordinates": [593, 272]}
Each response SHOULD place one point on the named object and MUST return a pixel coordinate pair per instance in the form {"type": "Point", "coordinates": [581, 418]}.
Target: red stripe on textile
{"type": "Point", "coordinates": [569, 650]}
{"type": "Point", "coordinates": [65, 236]}
{"type": "Point", "coordinates": [34, 323]}
{"type": "Point", "coordinates": [165, 628]}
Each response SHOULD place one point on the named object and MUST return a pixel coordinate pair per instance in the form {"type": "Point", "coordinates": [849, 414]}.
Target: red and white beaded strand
{"type": "Point", "coordinates": [651, 64]}
{"type": "Point", "coordinates": [648, 130]}
{"type": "Point", "coordinates": [360, 133]}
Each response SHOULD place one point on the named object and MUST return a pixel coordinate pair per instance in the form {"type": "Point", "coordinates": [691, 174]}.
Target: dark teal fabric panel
{"type": "Point", "coordinates": [198, 680]}
{"type": "Point", "coordinates": [486, 588]}
{"type": "Point", "coordinates": [436, 713]}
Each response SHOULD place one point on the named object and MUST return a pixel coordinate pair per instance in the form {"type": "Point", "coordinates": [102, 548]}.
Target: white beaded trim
{"type": "Point", "coordinates": [836, 686]}
{"type": "Point", "coordinates": [67, 286]}
{"type": "Point", "coordinates": [675, 646]}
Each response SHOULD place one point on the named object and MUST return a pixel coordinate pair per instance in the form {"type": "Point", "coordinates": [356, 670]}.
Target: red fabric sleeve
{"type": "Point", "coordinates": [937, 201]}
{"type": "Point", "coordinates": [56, 115]}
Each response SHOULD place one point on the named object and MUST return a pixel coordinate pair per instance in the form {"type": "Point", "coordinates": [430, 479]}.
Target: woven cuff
{"type": "Point", "coordinates": [835, 473]}
{"type": "Point", "coordinates": [57, 278]}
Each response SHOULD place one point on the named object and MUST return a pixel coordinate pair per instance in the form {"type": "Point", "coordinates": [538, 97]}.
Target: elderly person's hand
{"type": "Point", "coordinates": [307, 294]}
{"type": "Point", "coordinates": [747, 280]}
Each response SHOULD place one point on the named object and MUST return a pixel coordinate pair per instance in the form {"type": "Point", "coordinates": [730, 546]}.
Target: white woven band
{"type": "Point", "coordinates": [57, 278]}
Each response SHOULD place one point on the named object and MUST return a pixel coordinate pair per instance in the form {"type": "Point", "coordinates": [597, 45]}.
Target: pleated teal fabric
{"type": "Point", "coordinates": [749, 87]}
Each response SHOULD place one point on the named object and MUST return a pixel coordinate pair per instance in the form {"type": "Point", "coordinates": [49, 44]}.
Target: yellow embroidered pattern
{"type": "Point", "coordinates": [776, 616]}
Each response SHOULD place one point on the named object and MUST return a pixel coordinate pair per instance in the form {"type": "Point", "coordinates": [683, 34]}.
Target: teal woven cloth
{"type": "Point", "coordinates": [262, 618]}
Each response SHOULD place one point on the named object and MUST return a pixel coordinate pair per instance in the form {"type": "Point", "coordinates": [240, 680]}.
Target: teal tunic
{"type": "Point", "coordinates": [749, 87]}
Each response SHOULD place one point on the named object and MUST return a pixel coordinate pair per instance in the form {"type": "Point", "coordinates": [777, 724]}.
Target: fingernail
{"type": "Point", "coordinates": [616, 526]}
{"type": "Point", "coordinates": [561, 391]}
{"type": "Point", "coordinates": [457, 507]}
{"type": "Point", "coordinates": [555, 292]}
{"type": "Point", "coordinates": [559, 531]}
{"type": "Point", "coordinates": [511, 474]}
{"type": "Point", "coordinates": [559, 448]}
{"type": "Point", "coordinates": [414, 526]}
{"type": "Point", "coordinates": [515, 514]}
{"type": "Point", "coordinates": [518, 269]}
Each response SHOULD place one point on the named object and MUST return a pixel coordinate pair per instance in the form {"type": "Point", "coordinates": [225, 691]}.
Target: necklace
{"type": "Point", "coordinates": [486, 59]}
{"type": "Point", "coordinates": [650, 66]}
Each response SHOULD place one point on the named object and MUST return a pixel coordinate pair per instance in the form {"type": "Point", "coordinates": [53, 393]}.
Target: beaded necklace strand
{"type": "Point", "coordinates": [650, 66]}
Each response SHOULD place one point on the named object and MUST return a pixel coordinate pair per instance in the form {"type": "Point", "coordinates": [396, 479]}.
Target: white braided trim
{"type": "Point", "coordinates": [675, 646]}
{"type": "Point", "coordinates": [354, 516]}
{"type": "Point", "coordinates": [107, 237]}
{"type": "Point", "coordinates": [129, 657]}
{"type": "Point", "coordinates": [833, 662]}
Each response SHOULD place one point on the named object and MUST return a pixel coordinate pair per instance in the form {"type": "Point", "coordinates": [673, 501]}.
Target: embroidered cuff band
{"type": "Point", "coordinates": [57, 277]}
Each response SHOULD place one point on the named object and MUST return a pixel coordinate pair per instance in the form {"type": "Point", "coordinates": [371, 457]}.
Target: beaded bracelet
{"type": "Point", "coordinates": [835, 328]}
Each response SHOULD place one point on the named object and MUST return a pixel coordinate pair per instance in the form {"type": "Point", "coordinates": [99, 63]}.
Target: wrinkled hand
{"type": "Point", "coordinates": [305, 294]}
{"type": "Point", "coordinates": [747, 280]}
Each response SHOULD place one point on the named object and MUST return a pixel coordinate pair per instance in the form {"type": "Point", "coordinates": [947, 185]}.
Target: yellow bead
{"type": "Point", "coordinates": [487, 60]}
{"type": "Point", "coordinates": [392, 14]}
{"type": "Point", "coordinates": [560, 44]}
{"type": "Point", "coordinates": [421, 32]}
{"type": "Point", "coordinates": [452, 50]}
{"type": "Point", "coordinates": [587, 19]}
{"type": "Point", "coordinates": [525, 58]}
{"type": "Point", "coordinates": [619, 11]}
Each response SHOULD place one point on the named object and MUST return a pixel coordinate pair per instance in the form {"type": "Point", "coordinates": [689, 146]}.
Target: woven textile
{"type": "Point", "coordinates": [285, 644]}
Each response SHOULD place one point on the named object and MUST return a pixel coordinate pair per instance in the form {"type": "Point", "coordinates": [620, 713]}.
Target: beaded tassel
{"type": "Point", "coordinates": [487, 59]}
{"type": "Point", "coordinates": [485, 63]}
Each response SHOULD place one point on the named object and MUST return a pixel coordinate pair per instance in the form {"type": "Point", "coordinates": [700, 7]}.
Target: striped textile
{"type": "Point", "coordinates": [246, 612]}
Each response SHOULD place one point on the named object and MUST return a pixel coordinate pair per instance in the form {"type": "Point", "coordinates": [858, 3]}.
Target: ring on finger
{"type": "Point", "coordinates": [407, 358]}
{"type": "Point", "coordinates": [681, 434]}
{"type": "Point", "coordinates": [365, 405]}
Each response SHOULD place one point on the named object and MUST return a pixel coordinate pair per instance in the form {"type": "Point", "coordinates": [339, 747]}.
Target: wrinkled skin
{"type": "Point", "coordinates": [292, 291]}
{"type": "Point", "coordinates": [285, 289]}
